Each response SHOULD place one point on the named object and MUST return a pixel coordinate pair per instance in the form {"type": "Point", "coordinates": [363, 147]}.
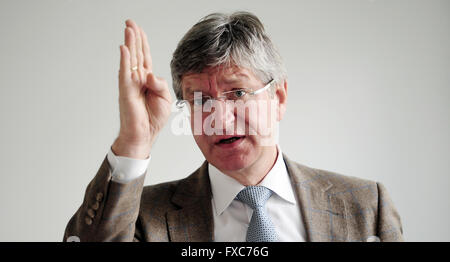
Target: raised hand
{"type": "Point", "coordinates": [144, 99]}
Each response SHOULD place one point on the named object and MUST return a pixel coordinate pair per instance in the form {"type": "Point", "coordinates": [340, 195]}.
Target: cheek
{"type": "Point", "coordinates": [202, 143]}
{"type": "Point", "coordinates": [198, 140]}
{"type": "Point", "coordinates": [196, 120]}
{"type": "Point", "coordinates": [262, 118]}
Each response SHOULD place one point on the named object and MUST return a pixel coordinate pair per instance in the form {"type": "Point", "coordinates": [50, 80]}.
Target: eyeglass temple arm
{"type": "Point", "coordinates": [263, 89]}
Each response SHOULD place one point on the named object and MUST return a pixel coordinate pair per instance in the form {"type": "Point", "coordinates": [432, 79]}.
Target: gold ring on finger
{"type": "Point", "coordinates": [134, 68]}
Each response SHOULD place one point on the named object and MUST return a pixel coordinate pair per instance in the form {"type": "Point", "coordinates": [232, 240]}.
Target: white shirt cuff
{"type": "Point", "coordinates": [125, 169]}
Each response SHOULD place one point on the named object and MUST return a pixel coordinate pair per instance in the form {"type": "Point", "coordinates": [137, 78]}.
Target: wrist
{"type": "Point", "coordinates": [122, 147]}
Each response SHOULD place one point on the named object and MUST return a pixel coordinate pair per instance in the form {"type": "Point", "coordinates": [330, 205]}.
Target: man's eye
{"type": "Point", "coordinates": [239, 93]}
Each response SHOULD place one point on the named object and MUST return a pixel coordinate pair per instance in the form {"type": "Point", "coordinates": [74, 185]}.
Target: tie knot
{"type": "Point", "coordinates": [254, 196]}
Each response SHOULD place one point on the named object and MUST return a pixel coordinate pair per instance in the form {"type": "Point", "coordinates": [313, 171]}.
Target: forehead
{"type": "Point", "coordinates": [219, 75]}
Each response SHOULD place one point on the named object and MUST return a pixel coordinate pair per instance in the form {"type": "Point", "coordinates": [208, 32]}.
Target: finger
{"type": "Point", "coordinates": [125, 73]}
{"type": "Point", "coordinates": [125, 66]}
{"type": "Point", "coordinates": [138, 42]}
{"type": "Point", "coordinates": [146, 48]}
{"type": "Point", "coordinates": [139, 51]}
{"type": "Point", "coordinates": [130, 42]}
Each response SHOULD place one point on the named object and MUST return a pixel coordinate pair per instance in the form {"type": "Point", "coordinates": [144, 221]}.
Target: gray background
{"type": "Point", "coordinates": [368, 97]}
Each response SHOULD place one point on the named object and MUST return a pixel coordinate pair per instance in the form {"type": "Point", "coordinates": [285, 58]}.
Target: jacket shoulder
{"type": "Point", "coordinates": [343, 182]}
{"type": "Point", "coordinates": [367, 208]}
{"type": "Point", "coordinates": [159, 193]}
{"type": "Point", "coordinates": [333, 182]}
{"type": "Point", "coordinates": [191, 187]}
{"type": "Point", "coordinates": [359, 193]}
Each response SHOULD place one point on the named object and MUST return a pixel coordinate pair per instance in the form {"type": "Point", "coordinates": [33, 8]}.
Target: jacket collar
{"type": "Point", "coordinates": [193, 222]}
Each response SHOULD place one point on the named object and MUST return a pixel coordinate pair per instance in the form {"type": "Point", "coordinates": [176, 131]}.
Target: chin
{"type": "Point", "coordinates": [231, 162]}
{"type": "Point", "coordinates": [225, 165]}
{"type": "Point", "coordinates": [230, 158]}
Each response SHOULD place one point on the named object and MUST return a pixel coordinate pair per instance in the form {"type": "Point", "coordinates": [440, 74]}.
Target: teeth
{"type": "Point", "coordinates": [229, 140]}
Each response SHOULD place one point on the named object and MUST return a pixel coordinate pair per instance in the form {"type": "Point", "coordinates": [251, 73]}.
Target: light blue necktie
{"type": "Point", "coordinates": [261, 228]}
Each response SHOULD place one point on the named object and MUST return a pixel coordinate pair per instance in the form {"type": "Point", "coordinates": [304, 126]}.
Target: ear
{"type": "Point", "coordinates": [281, 94]}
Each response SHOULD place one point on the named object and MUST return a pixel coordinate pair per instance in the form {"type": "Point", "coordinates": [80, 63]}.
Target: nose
{"type": "Point", "coordinates": [224, 116]}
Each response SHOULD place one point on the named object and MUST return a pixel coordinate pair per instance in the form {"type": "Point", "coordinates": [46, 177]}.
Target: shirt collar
{"type": "Point", "coordinates": [225, 189]}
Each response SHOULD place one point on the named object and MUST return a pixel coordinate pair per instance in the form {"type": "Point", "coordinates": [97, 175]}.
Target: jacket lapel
{"type": "Point", "coordinates": [323, 213]}
{"type": "Point", "coordinates": [192, 222]}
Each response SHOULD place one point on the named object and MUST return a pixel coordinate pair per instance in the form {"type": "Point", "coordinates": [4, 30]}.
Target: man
{"type": "Point", "coordinates": [225, 71]}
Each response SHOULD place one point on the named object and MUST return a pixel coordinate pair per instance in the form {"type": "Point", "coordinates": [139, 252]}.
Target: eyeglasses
{"type": "Point", "coordinates": [233, 95]}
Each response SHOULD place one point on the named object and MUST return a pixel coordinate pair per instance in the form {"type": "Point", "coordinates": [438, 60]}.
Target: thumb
{"type": "Point", "coordinates": [158, 86]}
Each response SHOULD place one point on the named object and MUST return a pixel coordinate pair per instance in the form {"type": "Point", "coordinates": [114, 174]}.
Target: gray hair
{"type": "Point", "coordinates": [220, 39]}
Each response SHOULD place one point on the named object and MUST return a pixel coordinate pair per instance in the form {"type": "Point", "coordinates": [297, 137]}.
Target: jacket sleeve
{"type": "Point", "coordinates": [109, 210]}
{"type": "Point", "coordinates": [389, 227]}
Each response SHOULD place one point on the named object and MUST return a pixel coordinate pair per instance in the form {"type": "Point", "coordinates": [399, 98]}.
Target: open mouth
{"type": "Point", "coordinates": [230, 140]}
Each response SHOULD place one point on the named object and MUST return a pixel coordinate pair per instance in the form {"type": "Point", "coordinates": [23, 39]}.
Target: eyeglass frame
{"type": "Point", "coordinates": [180, 103]}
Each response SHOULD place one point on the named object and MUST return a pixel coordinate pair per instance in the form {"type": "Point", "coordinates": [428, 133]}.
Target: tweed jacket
{"type": "Point", "coordinates": [334, 207]}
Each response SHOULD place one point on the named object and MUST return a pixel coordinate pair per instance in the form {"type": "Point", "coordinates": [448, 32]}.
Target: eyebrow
{"type": "Point", "coordinates": [239, 78]}
{"type": "Point", "coordinates": [190, 90]}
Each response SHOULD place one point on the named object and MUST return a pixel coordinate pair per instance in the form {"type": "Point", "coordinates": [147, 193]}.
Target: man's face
{"type": "Point", "coordinates": [233, 134]}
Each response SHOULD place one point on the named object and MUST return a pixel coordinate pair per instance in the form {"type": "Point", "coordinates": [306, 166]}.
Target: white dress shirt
{"type": "Point", "coordinates": [232, 217]}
